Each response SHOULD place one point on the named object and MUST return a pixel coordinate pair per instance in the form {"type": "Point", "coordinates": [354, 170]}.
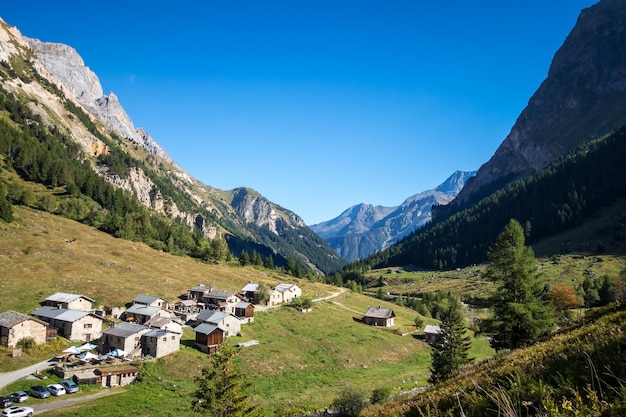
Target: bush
{"type": "Point", "coordinates": [380, 395]}
{"type": "Point", "coordinates": [27, 344]}
{"type": "Point", "coordinates": [350, 403]}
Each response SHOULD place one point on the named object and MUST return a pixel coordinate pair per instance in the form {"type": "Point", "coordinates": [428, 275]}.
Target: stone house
{"type": "Point", "coordinates": [69, 301]}
{"type": "Point", "coordinates": [378, 316]}
{"type": "Point", "coordinates": [151, 301]}
{"type": "Point", "coordinates": [124, 336]}
{"type": "Point", "coordinates": [140, 313]}
{"type": "Point", "coordinates": [116, 376]}
{"type": "Point", "coordinates": [165, 323]}
{"type": "Point", "coordinates": [249, 291]}
{"type": "Point", "coordinates": [244, 311]}
{"type": "Point", "coordinates": [283, 293]}
{"type": "Point", "coordinates": [226, 321]}
{"type": "Point", "coordinates": [16, 326]}
{"type": "Point", "coordinates": [157, 343]}
{"type": "Point", "coordinates": [209, 337]}
{"type": "Point", "coordinates": [213, 298]}
{"type": "Point", "coordinates": [72, 324]}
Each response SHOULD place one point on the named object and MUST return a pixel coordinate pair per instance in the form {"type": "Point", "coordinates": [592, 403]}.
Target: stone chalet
{"type": "Point", "coordinates": [226, 321]}
{"type": "Point", "coordinates": [213, 298]}
{"type": "Point", "coordinates": [209, 337]}
{"type": "Point", "coordinates": [431, 333]}
{"type": "Point", "coordinates": [140, 313]}
{"type": "Point", "coordinates": [378, 316]}
{"type": "Point", "coordinates": [151, 301]}
{"type": "Point", "coordinates": [72, 324]}
{"type": "Point", "coordinates": [139, 340]}
{"type": "Point", "coordinates": [16, 326]}
{"type": "Point", "coordinates": [249, 291]}
{"type": "Point", "coordinates": [165, 323]}
{"type": "Point", "coordinates": [157, 343]}
{"type": "Point", "coordinates": [283, 293]}
{"type": "Point", "coordinates": [69, 301]}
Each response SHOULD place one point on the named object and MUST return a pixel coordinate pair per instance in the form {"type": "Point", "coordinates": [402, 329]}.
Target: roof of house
{"type": "Point", "coordinates": [63, 297]}
{"type": "Point", "coordinates": [243, 304]}
{"type": "Point", "coordinates": [284, 287]}
{"type": "Point", "coordinates": [158, 321]}
{"type": "Point", "coordinates": [214, 293]}
{"type": "Point", "coordinates": [10, 318]}
{"type": "Point", "coordinates": [207, 328]}
{"type": "Point", "coordinates": [143, 310]}
{"type": "Point", "coordinates": [158, 333]}
{"type": "Point", "coordinates": [432, 329]}
{"type": "Point", "coordinates": [379, 313]}
{"type": "Point", "coordinates": [200, 288]}
{"type": "Point", "coordinates": [212, 316]}
{"type": "Point", "coordinates": [250, 287]}
{"type": "Point", "coordinates": [62, 314]}
{"type": "Point", "coordinates": [125, 330]}
{"type": "Point", "coordinates": [146, 299]}
{"type": "Point", "coordinates": [187, 303]}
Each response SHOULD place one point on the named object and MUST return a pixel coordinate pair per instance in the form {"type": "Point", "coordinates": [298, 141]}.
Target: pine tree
{"type": "Point", "coordinates": [222, 387]}
{"type": "Point", "coordinates": [244, 258]}
{"type": "Point", "coordinates": [450, 350]}
{"type": "Point", "coordinates": [520, 313]}
{"type": "Point", "coordinates": [269, 262]}
{"type": "Point", "coordinates": [6, 209]}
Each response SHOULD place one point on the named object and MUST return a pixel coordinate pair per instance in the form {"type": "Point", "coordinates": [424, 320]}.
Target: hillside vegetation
{"type": "Point", "coordinates": [559, 198]}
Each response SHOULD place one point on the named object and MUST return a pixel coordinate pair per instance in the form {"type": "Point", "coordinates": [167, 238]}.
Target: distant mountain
{"type": "Point", "coordinates": [583, 97]}
{"type": "Point", "coordinates": [364, 229]}
{"type": "Point", "coordinates": [66, 130]}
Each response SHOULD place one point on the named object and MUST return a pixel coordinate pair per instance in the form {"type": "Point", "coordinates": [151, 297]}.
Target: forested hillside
{"type": "Point", "coordinates": [558, 198]}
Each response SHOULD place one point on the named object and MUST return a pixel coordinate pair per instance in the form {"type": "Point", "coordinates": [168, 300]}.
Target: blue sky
{"type": "Point", "coordinates": [317, 105]}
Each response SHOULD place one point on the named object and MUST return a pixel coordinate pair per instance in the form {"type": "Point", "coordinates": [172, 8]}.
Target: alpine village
{"type": "Point", "coordinates": [130, 288]}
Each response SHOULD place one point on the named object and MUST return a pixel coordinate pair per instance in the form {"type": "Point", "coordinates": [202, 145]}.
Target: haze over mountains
{"type": "Point", "coordinates": [364, 228]}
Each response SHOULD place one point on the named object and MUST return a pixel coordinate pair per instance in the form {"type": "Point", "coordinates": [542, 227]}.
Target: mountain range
{"type": "Point", "coordinates": [51, 83]}
{"type": "Point", "coordinates": [364, 229]}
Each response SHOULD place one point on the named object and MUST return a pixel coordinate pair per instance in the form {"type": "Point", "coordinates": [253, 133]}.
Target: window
{"type": "Point", "coordinates": [165, 339]}
{"type": "Point", "coordinates": [88, 325]}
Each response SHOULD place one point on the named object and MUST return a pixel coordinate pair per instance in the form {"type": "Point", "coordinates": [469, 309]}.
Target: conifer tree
{"type": "Point", "coordinates": [451, 348]}
{"type": "Point", "coordinates": [520, 312]}
{"type": "Point", "coordinates": [6, 209]}
{"type": "Point", "coordinates": [222, 386]}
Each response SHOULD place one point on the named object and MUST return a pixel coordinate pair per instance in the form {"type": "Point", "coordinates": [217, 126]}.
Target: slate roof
{"type": "Point", "coordinates": [242, 304]}
{"type": "Point", "coordinates": [158, 321]}
{"type": "Point", "coordinates": [210, 316]}
{"type": "Point", "coordinates": [157, 333]}
{"type": "Point", "coordinates": [379, 313]}
{"type": "Point", "coordinates": [432, 329]}
{"type": "Point", "coordinates": [200, 288]}
{"type": "Point", "coordinates": [220, 294]}
{"type": "Point", "coordinates": [143, 310]}
{"type": "Point", "coordinates": [125, 330]}
{"type": "Point", "coordinates": [250, 287]}
{"type": "Point", "coordinates": [206, 328]}
{"type": "Point", "coordinates": [62, 314]}
{"type": "Point", "coordinates": [63, 297]}
{"type": "Point", "coordinates": [146, 299]}
{"type": "Point", "coordinates": [10, 318]}
{"type": "Point", "coordinates": [284, 287]}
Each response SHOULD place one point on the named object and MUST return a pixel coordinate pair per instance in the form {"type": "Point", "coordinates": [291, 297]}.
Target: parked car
{"type": "Point", "coordinates": [70, 386]}
{"type": "Point", "coordinates": [17, 411]}
{"type": "Point", "coordinates": [5, 402]}
{"type": "Point", "coordinates": [19, 397]}
{"type": "Point", "coordinates": [56, 389]}
{"type": "Point", "coordinates": [39, 392]}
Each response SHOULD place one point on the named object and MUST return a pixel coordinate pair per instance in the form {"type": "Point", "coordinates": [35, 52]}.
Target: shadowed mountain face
{"type": "Point", "coordinates": [364, 229]}
{"type": "Point", "coordinates": [583, 97]}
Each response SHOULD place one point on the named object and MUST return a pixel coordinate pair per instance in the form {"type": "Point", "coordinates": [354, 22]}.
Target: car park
{"type": "Point", "coordinates": [56, 389]}
{"type": "Point", "coordinates": [17, 411]}
{"type": "Point", "coordinates": [5, 402]}
{"type": "Point", "coordinates": [70, 386]}
{"type": "Point", "coordinates": [39, 392]}
{"type": "Point", "coordinates": [19, 397]}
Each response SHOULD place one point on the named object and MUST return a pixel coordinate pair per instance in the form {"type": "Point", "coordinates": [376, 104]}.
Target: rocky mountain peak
{"type": "Point", "coordinates": [582, 98]}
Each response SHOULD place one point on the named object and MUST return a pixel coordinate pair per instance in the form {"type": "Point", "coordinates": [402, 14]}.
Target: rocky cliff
{"type": "Point", "coordinates": [364, 229]}
{"type": "Point", "coordinates": [583, 97]}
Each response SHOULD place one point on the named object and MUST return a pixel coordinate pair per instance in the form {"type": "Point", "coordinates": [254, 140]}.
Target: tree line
{"type": "Point", "coordinates": [559, 197]}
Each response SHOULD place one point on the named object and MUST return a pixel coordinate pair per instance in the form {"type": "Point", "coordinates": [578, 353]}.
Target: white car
{"type": "Point", "coordinates": [17, 411]}
{"type": "Point", "coordinates": [56, 389]}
